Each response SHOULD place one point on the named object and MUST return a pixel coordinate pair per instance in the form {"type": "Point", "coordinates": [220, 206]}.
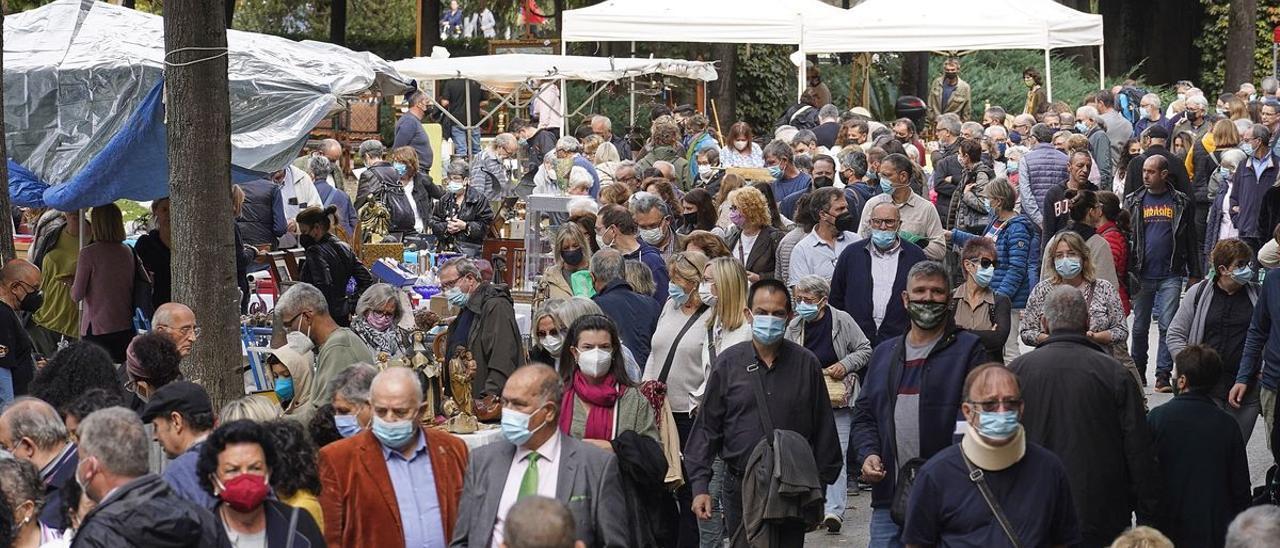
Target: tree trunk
{"type": "Point", "coordinates": [230, 12]}
{"type": "Point", "coordinates": [337, 22]}
{"type": "Point", "coordinates": [915, 75]}
{"type": "Point", "coordinates": [724, 90]}
{"type": "Point", "coordinates": [199, 149]}
{"type": "Point", "coordinates": [6, 209]}
{"type": "Point", "coordinates": [428, 26]}
{"type": "Point", "coordinates": [1242, 36]}
{"type": "Point", "coordinates": [558, 5]}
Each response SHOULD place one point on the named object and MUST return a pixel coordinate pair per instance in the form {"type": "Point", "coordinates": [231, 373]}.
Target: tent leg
{"type": "Point", "coordinates": [632, 121]}
{"type": "Point", "coordinates": [800, 72]}
{"type": "Point", "coordinates": [1048, 78]}
{"type": "Point", "coordinates": [466, 138]}
{"type": "Point", "coordinates": [1102, 67]}
{"type": "Point", "coordinates": [564, 95]}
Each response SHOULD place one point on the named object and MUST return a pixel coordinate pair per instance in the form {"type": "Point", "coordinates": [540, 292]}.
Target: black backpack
{"type": "Point", "coordinates": [1129, 102]}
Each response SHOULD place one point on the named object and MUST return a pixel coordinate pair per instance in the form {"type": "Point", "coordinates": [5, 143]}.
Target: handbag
{"type": "Point", "coordinates": [835, 390]}
{"type": "Point", "coordinates": [978, 478]}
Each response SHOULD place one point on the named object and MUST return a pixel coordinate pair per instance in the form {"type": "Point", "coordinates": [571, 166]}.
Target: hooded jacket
{"type": "Point", "coordinates": [146, 512]}
{"type": "Point", "coordinates": [494, 339]}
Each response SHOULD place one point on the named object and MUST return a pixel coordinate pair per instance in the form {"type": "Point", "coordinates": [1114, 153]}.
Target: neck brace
{"type": "Point", "coordinates": [990, 457]}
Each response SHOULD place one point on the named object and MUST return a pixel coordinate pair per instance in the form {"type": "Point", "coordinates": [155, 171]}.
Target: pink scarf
{"type": "Point", "coordinates": [600, 398]}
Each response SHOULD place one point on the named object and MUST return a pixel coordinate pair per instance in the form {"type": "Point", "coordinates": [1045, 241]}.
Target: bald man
{"type": "Point", "coordinates": [396, 484]}
{"type": "Point", "coordinates": [19, 291]}
{"type": "Point", "coordinates": [884, 258]}
{"type": "Point", "coordinates": [177, 322]}
{"type": "Point", "coordinates": [539, 522]}
{"type": "Point", "coordinates": [331, 149]}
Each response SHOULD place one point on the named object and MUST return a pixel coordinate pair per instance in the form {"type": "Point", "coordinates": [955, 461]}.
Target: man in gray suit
{"type": "Point", "coordinates": [539, 460]}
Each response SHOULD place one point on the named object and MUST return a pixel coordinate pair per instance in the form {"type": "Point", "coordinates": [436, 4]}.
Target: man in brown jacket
{"type": "Point", "coordinates": [396, 484]}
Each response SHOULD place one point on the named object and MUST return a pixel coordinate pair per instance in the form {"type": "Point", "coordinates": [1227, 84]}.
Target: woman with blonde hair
{"type": "Point", "coordinates": [753, 240]}
{"type": "Point", "coordinates": [104, 283]}
{"type": "Point", "coordinates": [1073, 266]}
{"type": "Point", "coordinates": [606, 160]}
{"type": "Point", "coordinates": [724, 287]}
{"type": "Point", "coordinates": [253, 407]}
{"type": "Point", "coordinates": [409, 216]}
{"type": "Point", "coordinates": [572, 252]}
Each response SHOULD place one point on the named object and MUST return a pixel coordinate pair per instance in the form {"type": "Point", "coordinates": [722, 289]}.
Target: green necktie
{"type": "Point", "coordinates": [529, 483]}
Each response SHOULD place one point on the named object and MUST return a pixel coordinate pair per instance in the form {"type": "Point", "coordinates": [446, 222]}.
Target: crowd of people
{"type": "Point", "coordinates": [953, 315]}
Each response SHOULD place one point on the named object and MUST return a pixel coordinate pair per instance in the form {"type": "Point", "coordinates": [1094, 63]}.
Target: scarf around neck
{"type": "Point", "coordinates": [601, 399]}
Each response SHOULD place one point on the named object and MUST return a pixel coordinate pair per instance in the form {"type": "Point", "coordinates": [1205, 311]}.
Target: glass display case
{"type": "Point", "coordinates": [543, 215]}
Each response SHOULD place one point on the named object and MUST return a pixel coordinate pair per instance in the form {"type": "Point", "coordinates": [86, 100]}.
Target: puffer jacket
{"type": "Point", "coordinates": [146, 512]}
{"type": "Point", "coordinates": [1017, 258]}
{"type": "Point", "coordinates": [1044, 167]}
{"type": "Point", "coordinates": [1119, 242]}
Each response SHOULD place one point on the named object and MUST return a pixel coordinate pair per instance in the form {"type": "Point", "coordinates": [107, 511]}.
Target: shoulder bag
{"type": "Point", "coordinates": [976, 476]}
{"type": "Point", "coordinates": [675, 344]}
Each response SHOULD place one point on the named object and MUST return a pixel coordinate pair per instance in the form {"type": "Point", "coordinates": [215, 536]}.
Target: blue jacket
{"type": "Point", "coordinates": [635, 315]}
{"type": "Point", "coordinates": [1262, 343]}
{"type": "Point", "coordinates": [851, 289]}
{"type": "Point", "coordinates": [941, 392]}
{"type": "Point", "coordinates": [346, 212]}
{"type": "Point", "coordinates": [652, 258]}
{"type": "Point", "coordinates": [1017, 258]}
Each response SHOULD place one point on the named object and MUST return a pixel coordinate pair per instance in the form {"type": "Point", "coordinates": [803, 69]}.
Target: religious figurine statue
{"type": "Point", "coordinates": [375, 221]}
{"type": "Point", "coordinates": [383, 361]}
{"type": "Point", "coordinates": [460, 373]}
{"type": "Point", "coordinates": [421, 360]}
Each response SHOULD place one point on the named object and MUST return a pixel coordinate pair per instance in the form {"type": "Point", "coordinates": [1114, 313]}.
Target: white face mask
{"type": "Point", "coordinates": [653, 236]}
{"type": "Point", "coordinates": [595, 363]}
{"type": "Point", "coordinates": [553, 344]}
{"type": "Point", "coordinates": [704, 293]}
{"type": "Point", "coordinates": [741, 145]}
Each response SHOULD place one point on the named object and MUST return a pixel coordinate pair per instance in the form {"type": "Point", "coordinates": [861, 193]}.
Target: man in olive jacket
{"type": "Point", "coordinates": [485, 326]}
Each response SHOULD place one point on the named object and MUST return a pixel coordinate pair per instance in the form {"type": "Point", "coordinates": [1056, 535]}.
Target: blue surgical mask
{"type": "Point", "coordinates": [998, 425]}
{"type": "Point", "coordinates": [395, 434]}
{"type": "Point", "coordinates": [886, 186]}
{"type": "Point", "coordinates": [453, 187]}
{"type": "Point", "coordinates": [284, 388]}
{"type": "Point", "coordinates": [775, 172]}
{"type": "Point", "coordinates": [1242, 275]}
{"type": "Point", "coordinates": [348, 425]}
{"type": "Point", "coordinates": [677, 294]}
{"type": "Point", "coordinates": [456, 297]}
{"type": "Point", "coordinates": [883, 239]}
{"type": "Point", "coordinates": [767, 329]}
{"type": "Point", "coordinates": [400, 168]}
{"type": "Point", "coordinates": [983, 276]}
{"type": "Point", "coordinates": [987, 203]}
{"type": "Point", "coordinates": [1224, 173]}
{"type": "Point", "coordinates": [1011, 166]}
{"type": "Point", "coordinates": [1067, 267]}
{"type": "Point", "coordinates": [1247, 148]}
{"type": "Point", "coordinates": [515, 426]}
{"type": "Point", "coordinates": [807, 311]}
{"type": "Point", "coordinates": [1081, 127]}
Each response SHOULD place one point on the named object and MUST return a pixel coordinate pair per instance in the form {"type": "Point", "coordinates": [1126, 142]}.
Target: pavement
{"type": "Point", "coordinates": [858, 515]}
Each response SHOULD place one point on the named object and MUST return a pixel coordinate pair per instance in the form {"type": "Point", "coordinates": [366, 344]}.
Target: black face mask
{"type": "Point", "coordinates": [307, 240]}
{"type": "Point", "coordinates": [845, 223]}
{"type": "Point", "coordinates": [32, 302]}
{"type": "Point", "coordinates": [823, 182]}
{"type": "Point", "coordinates": [689, 219]}
{"type": "Point", "coordinates": [571, 256]}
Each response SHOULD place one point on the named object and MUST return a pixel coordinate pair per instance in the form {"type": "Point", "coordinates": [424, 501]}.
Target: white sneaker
{"type": "Point", "coordinates": [833, 523]}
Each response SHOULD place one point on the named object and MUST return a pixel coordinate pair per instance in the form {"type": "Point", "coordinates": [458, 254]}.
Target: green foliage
{"type": "Point", "coordinates": [766, 84]}
{"type": "Point", "coordinates": [1212, 43]}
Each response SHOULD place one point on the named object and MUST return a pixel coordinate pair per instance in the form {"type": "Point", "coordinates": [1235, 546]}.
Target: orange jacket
{"type": "Point", "coordinates": [359, 501]}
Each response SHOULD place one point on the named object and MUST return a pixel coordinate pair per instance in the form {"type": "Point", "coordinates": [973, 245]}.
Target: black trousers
{"type": "Point", "coordinates": [687, 526]}
{"type": "Point", "coordinates": [788, 535]}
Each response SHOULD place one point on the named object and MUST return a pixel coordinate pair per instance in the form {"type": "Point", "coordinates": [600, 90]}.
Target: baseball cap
{"type": "Point", "coordinates": [185, 397]}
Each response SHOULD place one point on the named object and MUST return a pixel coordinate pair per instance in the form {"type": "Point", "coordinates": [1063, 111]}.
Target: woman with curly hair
{"type": "Point", "coordinates": [753, 241]}
{"type": "Point", "coordinates": [295, 477]}
{"type": "Point", "coordinates": [235, 463]}
{"type": "Point", "coordinates": [151, 361]}
{"type": "Point", "coordinates": [73, 371]}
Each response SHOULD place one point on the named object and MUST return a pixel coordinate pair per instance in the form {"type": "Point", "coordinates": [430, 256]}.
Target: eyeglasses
{"type": "Point", "coordinates": [288, 324]}
{"type": "Point", "coordinates": [450, 284]}
{"type": "Point", "coordinates": [883, 223]}
{"type": "Point", "coordinates": [982, 261]}
{"type": "Point", "coordinates": [998, 405]}
{"type": "Point", "coordinates": [807, 300]}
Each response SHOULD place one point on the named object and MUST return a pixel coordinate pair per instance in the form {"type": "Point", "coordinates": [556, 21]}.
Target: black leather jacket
{"type": "Point", "coordinates": [328, 265]}
{"type": "Point", "coordinates": [474, 210]}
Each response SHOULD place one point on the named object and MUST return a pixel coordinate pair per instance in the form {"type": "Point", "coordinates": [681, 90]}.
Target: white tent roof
{"type": "Point", "coordinates": [702, 21]}
{"type": "Point", "coordinates": [930, 25]}
{"type": "Point", "coordinates": [505, 72]}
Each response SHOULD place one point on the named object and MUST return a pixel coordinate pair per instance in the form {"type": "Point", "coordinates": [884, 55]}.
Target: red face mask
{"type": "Point", "coordinates": [245, 492]}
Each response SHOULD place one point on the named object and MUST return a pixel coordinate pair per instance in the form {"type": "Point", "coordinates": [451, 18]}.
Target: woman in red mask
{"type": "Point", "coordinates": [235, 466]}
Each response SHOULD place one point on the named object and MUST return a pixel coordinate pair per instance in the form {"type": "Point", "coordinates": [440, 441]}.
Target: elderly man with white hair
{"type": "Point", "coordinates": [1196, 118]}
{"type": "Point", "coordinates": [303, 308]}
{"type": "Point", "coordinates": [488, 170]}
{"type": "Point", "coordinates": [1090, 124]}
{"type": "Point", "coordinates": [602, 126]}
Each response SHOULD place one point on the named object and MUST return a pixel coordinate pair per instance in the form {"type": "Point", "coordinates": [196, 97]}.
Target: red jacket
{"type": "Point", "coordinates": [358, 500]}
{"type": "Point", "coordinates": [1120, 254]}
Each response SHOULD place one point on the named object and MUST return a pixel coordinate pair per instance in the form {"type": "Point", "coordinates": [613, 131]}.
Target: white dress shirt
{"type": "Point", "coordinates": [418, 225]}
{"type": "Point", "coordinates": [884, 272]}
{"type": "Point", "coordinates": [548, 471]}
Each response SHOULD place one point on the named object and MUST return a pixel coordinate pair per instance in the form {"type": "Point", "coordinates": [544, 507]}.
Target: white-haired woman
{"type": "Point", "coordinates": [606, 160]}
{"type": "Point", "coordinates": [843, 350]}
{"type": "Point", "coordinates": [463, 215]}
{"type": "Point", "coordinates": [377, 321]}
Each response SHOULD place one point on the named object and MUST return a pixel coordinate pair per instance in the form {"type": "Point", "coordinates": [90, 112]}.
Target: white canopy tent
{"type": "Point", "coordinates": [508, 73]}
{"type": "Point", "coordinates": [932, 25]}
{"type": "Point", "coordinates": [700, 21]}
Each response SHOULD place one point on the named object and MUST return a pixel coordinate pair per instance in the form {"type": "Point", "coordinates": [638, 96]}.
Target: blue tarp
{"type": "Point", "coordinates": [134, 165]}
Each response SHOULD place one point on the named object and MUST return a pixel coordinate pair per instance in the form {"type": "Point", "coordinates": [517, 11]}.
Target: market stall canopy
{"type": "Point", "coordinates": [503, 73]}
{"type": "Point", "coordinates": [948, 25]}
{"type": "Point", "coordinates": [84, 110]}
{"type": "Point", "coordinates": [702, 21]}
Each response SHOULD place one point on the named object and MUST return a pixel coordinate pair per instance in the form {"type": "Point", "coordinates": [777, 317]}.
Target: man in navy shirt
{"type": "Point", "coordinates": [409, 130]}
{"type": "Point", "coordinates": [616, 227]}
{"type": "Point", "coordinates": [1027, 482]}
{"type": "Point", "coordinates": [788, 179]}
{"type": "Point", "coordinates": [1162, 250]}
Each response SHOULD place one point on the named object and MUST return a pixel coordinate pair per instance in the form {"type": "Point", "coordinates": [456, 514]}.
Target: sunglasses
{"type": "Point", "coordinates": [983, 262]}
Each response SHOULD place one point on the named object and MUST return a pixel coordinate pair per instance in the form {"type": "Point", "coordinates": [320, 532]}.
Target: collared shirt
{"type": "Point", "coordinates": [414, 482]}
{"type": "Point", "coordinates": [68, 451]}
{"type": "Point", "coordinates": [977, 318]}
{"type": "Point", "coordinates": [884, 272]}
{"type": "Point", "coordinates": [919, 217]}
{"type": "Point", "coordinates": [813, 255]}
{"type": "Point", "coordinates": [1259, 166]}
{"type": "Point", "coordinates": [548, 473]}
